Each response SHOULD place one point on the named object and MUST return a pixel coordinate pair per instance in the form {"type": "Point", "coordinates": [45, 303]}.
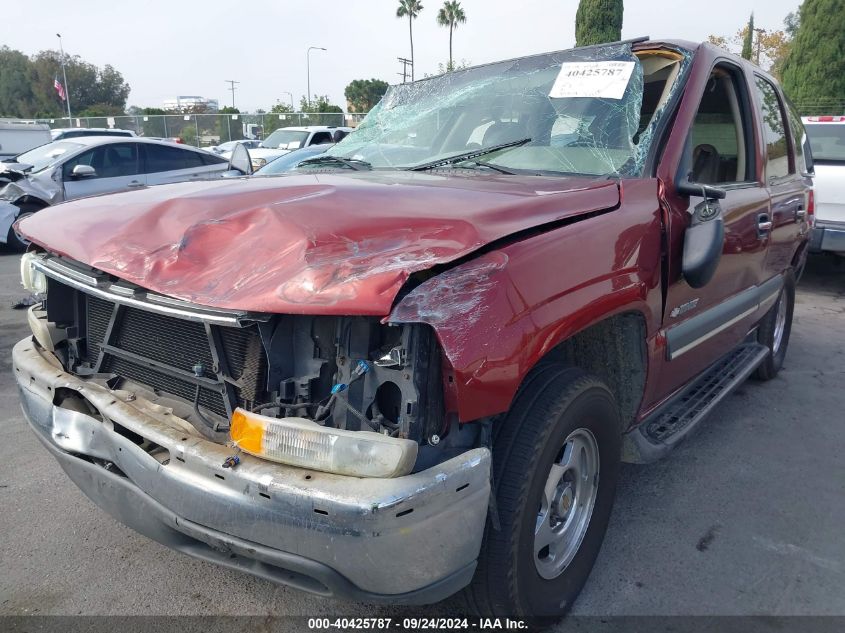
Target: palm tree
{"type": "Point", "coordinates": [410, 8]}
{"type": "Point", "coordinates": [451, 14]}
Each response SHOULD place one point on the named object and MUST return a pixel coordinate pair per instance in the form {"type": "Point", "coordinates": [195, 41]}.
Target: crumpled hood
{"type": "Point", "coordinates": [316, 243]}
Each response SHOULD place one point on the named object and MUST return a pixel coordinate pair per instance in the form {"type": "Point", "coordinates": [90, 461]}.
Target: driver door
{"type": "Point", "coordinates": [116, 169]}
{"type": "Point", "coordinates": [702, 324]}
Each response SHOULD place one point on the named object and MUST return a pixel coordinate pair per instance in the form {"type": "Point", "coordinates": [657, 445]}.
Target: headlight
{"type": "Point", "coordinates": [10, 192]}
{"type": "Point", "coordinates": [301, 442]}
{"type": "Point", "coordinates": [32, 279]}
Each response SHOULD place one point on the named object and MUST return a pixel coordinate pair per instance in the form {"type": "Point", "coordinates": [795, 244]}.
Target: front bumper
{"type": "Point", "coordinates": [827, 238]}
{"type": "Point", "coordinates": [411, 540]}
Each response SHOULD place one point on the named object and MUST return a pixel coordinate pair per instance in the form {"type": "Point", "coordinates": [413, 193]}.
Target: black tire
{"type": "Point", "coordinates": [555, 402]}
{"type": "Point", "coordinates": [767, 331]}
{"type": "Point", "coordinates": [13, 240]}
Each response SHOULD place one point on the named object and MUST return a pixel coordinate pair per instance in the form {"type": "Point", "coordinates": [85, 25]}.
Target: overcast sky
{"type": "Point", "coordinates": [190, 47]}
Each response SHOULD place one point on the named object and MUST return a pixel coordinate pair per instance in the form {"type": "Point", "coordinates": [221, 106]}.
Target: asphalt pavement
{"type": "Point", "coordinates": [744, 518]}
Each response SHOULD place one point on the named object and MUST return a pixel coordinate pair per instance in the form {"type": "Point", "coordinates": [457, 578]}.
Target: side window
{"type": "Point", "coordinates": [720, 143]}
{"type": "Point", "coordinates": [109, 161]}
{"type": "Point", "coordinates": [321, 137]}
{"type": "Point", "coordinates": [774, 132]}
{"type": "Point", "coordinates": [85, 158]}
{"type": "Point", "coordinates": [163, 158]}
{"type": "Point", "coordinates": [799, 137]}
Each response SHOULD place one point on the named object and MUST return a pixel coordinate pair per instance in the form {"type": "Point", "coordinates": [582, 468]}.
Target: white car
{"type": "Point", "coordinates": [287, 139]}
{"type": "Point", "coordinates": [827, 144]}
{"type": "Point", "coordinates": [225, 149]}
{"type": "Point", "coordinates": [93, 165]}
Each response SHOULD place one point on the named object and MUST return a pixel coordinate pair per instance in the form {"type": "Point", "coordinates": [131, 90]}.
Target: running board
{"type": "Point", "coordinates": [672, 422]}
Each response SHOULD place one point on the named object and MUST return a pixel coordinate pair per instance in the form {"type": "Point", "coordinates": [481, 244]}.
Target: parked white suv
{"type": "Point", "coordinates": [287, 139]}
{"type": "Point", "coordinates": [827, 142]}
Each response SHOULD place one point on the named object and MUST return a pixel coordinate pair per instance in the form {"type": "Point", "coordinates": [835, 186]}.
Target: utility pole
{"type": "Point", "coordinates": [290, 94]}
{"type": "Point", "coordinates": [64, 78]}
{"type": "Point", "coordinates": [232, 83]}
{"type": "Point", "coordinates": [406, 64]}
{"type": "Point", "coordinates": [308, 55]}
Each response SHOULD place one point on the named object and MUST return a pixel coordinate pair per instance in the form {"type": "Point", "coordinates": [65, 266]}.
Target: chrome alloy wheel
{"type": "Point", "coordinates": [569, 496]}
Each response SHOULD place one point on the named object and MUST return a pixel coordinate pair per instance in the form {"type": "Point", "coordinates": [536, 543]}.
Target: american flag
{"type": "Point", "coordinates": [59, 88]}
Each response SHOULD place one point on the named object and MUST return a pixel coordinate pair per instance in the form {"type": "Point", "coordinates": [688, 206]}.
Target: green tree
{"type": "Point", "coordinates": [410, 9]}
{"type": "Point", "coordinates": [769, 48]}
{"type": "Point", "coordinates": [17, 98]}
{"type": "Point", "coordinates": [451, 14]}
{"type": "Point", "coordinates": [272, 122]}
{"type": "Point", "coordinates": [598, 22]}
{"type": "Point", "coordinates": [748, 39]}
{"type": "Point", "coordinates": [363, 94]}
{"type": "Point", "coordinates": [154, 124]}
{"type": "Point", "coordinates": [814, 70]}
{"type": "Point", "coordinates": [320, 111]}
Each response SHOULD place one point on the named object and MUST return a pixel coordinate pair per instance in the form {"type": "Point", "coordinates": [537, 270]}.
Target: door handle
{"type": "Point", "coordinates": [764, 224]}
{"type": "Point", "coordinates": [135, 184]}
{"type": "Point", "coordinates": [800, 213]}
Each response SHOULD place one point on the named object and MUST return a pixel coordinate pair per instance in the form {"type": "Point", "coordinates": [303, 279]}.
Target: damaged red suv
{"type": "Point", "coordinates": [414, 365]}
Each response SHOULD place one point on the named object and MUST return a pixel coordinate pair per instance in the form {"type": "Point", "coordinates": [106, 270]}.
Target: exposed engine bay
{"type": "Point", "coordinates": [352, 373]}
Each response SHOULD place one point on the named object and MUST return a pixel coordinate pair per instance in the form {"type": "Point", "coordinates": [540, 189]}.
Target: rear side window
{"type": "Point", "coordinates": [320, 138]}
{"type": "Point", "coordinates": [774, 131]}
{"type": "Point", "coordinates": [163, 158]}
{"type": "Point", "coordinates": [796, 128]}
{"type": "Point", "coordinates": [827, 141]}
{"type": "Point", "coordinates": [212, 159]}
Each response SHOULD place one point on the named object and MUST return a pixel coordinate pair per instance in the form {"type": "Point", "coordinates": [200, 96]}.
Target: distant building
{"type": "Point", "coordinates": [185, 103]}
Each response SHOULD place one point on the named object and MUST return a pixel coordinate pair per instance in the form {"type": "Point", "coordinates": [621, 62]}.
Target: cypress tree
{"type": "Point", "coordinates": [814, 71]}
{"type": "Point", "coordinates": [748, 41]}
{"type": "Point", "coordinates": [598, 22]}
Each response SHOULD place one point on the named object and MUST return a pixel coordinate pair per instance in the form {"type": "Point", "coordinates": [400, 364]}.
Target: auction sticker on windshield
{"type": "Point", "coordinates": [598, 80]}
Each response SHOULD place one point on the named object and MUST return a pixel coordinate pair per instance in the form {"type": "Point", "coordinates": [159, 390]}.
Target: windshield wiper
{"type": "Point", "coordinates": [465, 156]}
{"type": "Point", "coordinates": [324, 159]}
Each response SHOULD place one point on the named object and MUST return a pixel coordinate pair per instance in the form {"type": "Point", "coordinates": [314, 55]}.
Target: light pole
{"type": "Point", "coordinates": [64, 77]}
{"type": "Point", "coordinates": [290, 94]}
{"type": "Point", "coordinates": [311, 48]}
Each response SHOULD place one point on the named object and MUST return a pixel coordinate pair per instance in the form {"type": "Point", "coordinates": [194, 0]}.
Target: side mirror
{"type": "Point", "coordinates": [240, 160]}
{"type": "Point", "coordinates": [687, 188]}
{"type": "Point", "coordinates": [83, 171]}
{"type": "Point", "coordinates": [703, 243]}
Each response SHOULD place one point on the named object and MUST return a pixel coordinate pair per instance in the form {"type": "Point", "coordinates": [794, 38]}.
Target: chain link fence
{"type": "Point", "coordinates": [205, 130]}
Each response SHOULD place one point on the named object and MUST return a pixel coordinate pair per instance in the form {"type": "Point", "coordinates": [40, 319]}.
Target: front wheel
{"type": "Point", "coordinates": [14, 241]}
{"type": "Point", "coordinates": [556, 464]}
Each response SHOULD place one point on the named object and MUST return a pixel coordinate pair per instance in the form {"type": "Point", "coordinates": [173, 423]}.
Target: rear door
{"type": "Point", "coordinates": [166, 164]}
{"type": "Point", "coordinates": [721, 149]}
{"type": "Point", "coordinates": [116, 167]}
{"type": "Point", "coordinates": [783, 175]}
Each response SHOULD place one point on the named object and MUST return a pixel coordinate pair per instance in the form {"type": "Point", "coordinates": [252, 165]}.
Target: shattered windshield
{"type": "Point", "coordinates": [47, 155]}
{"type": "Point", "coordinates": [580, 111]}
{"type": "Point", "coordinates": [285, 139]}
